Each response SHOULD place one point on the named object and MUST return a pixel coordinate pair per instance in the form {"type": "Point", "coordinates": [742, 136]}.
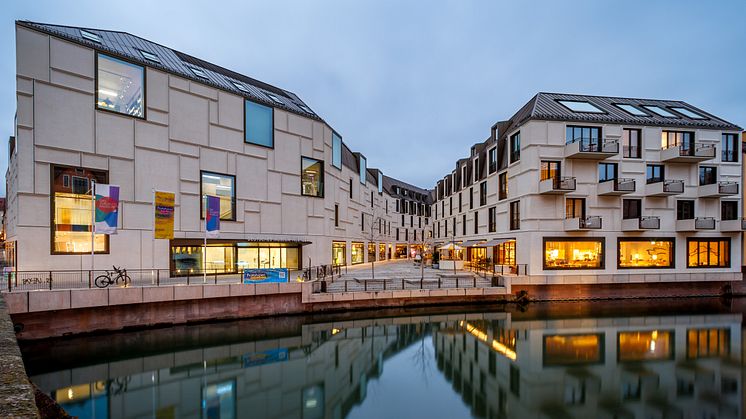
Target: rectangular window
{"type": "Point", "coordinates": [660, 111]}
{"type": "Point", "coordinates": [464, 176]}
{"type": "Point", "coordinates": [357, 253]}
{"type": "Point", "coordinates": [607, 172]}
{"type": "Point", "coordinates": [363, 169]}
{"type": "Point", "coordinates": [569, 350]}
{"type": "Point", "coordinates": [729, 210]}
{"type": "Point", "coordinates": [631, 208]}
{"type": "Point", "coordinates": [682, 139]}
{"type": "Point", "coordinates": [515, 147]}
{"type": "Point", "coordinates": [730, 148]}
{"type": "Point", "coordinates": [312, 177]}
{"type": "Point", "coordinates": [120, 86]}
{"type": "Point", "coordinates": [450, 206]}
{"type": "Point", "coordinates": [471, 198]}
{"type": "Point", "coordinates": [575, 208]}
{"type": "Point", "coordinates": [463, 225]}
{"type": "Point", "coordinates": [644, 253]}
{"type": "Point", "coordinates": [371, 199]}
{"type": "Point", "coordinates": [476, 170]}
{"type": "Point", "coordinates": [224, 187]}
{"type": "Point", "coordinates": [708, 253]}
{"type": "Point", "coordinates": [503, 186]}
{"type": "Point", "coordinates": [492, 160]}
{"type": "Point", "coordinates": [336, 215]}
{"type": "Point", "coordinates": [259, 124]}
{"type": "Point", "coordinates": [336, 150]}
{"type": "Point", "coordinates": [550, 170]}
{"type": "Point", "coordinates": [707, 343]}
{"type": "Point", "coordinates": [515, 215]}
{"type": "Point", "coordinates": [380, 183]}
{"type": "Point", "coordinates": [631, 143]}
{"type": "Point", "coordinates": [708, 175]}
{"type": "Point", "coordinates": [580, 106]}
{"type": "Point", "coordinates": [654, 173]}
{"type": "Point", "coordinates": [483, 194]}
{"type": "Point", "coordinates": [684, 210]}
{"type": "Point", "coordinates": [632, 110]}
{"type": "Point", "coordinates": [476, 222]}
{"type": "Point", "coordinates": [562, 253]}
{"type": "Point", "coordinates": [492, 219]}
{"type": "Point", "coordinates": [460, 201]}
{"type": "Point", "coordinates": [351, 191]}
{"type": "Point", "coordinates": [71, 209]}
{"type": "Point", "coordinates": [589, 137]}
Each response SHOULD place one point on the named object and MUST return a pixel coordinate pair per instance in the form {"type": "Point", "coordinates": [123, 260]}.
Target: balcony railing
{"type": "Point", "coordinates": [587, 149]}
{"type": "Point", "coordinates": [688, 152]}
{"type": "Point", "coordinates": [717, 189]}
{"type": "Point", "coordinates": [650, 222]}
{"type": "Point", "coordinates": [617, 186]}
{"type": "Point", "coordinates": [557, 185]}
{"type": "Point", "coordinates": [739, 224]}
{"type": "Point", "coordinates": [664, 188]}
{"type": "Point", "coordinates": [593, 222]}
{"type": "Point", "coordinates": [704, 223]}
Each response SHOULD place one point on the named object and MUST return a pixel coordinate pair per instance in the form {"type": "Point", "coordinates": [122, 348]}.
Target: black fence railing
{"type": "Point", "coordinates": [406, 284]}
{"type": "Point", "coordinates": [485, 266]}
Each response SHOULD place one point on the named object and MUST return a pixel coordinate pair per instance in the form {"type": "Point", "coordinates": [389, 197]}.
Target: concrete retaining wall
{"type": "Point", "coordinates": [16, 393]}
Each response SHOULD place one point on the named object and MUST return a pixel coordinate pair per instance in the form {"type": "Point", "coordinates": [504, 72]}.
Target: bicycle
{"type": "Point", "coordinates": [104, 280]}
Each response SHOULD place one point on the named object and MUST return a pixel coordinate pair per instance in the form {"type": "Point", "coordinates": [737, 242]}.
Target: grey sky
{"type": "Point", "coordinates": [412, 84]}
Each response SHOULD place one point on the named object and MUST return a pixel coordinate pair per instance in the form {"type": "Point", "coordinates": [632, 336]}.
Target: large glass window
{"type": "Point", "coordinates": [363, 169]}
{"type": "Point", "coordinates": [589, 137]}
{"type": "Point", "coordinates": [573, 349]}
{"type": "Point", "coordinates": [550, 170]}
{"type": "Point", "coordinates": [71, 209]}
{"type": "Point", "coordinates": [357, 252]}
{"type": "Point", "coordinates": [631, 143]}
{"type": "Point", "coordinates": [336, 150]}
{"type": "Point", "coordinates": [575, 208]}
{"type": "Point", "coordinates": [684, 210]}
{"type": "Point", "coordinates": [646, 253]}
{"type": "Point", "coordinates": [607, 171]}
{"type": "Point", "coordinates": [683, 139]}
{"type": "Point", "coordinates": [708, 253]}
{"type": "Point", "coordinates": [730, 148]}
{"type": "Point", "coordinates": [371, 252]}
{"type": "Point", "coordinates": [259, 124]}
{"type": "Point", "coordinates": [706, 343]}
{"type": "Point", "coordinates": [650, 345]}
{"type": "Point", "coordinates": [312, 177]}
{"type": "Point", "coordinates": [729, 210]}
{"type": "Point", "coordinates": [120, 86]}
{"type": "Point", "coordinates": [515, 147]}
{"type": "Point", "coordinates": [505, 253]}
{"type": "Point", "coordinates": [561, 253]}
{"type": "Point", "coordinates": [224, 187]}
{"type": "Point", "coordinates": [655, 173]}
{"type": "Point", "coordinates": [503, 186]}
{"type": "Point", "coordinates": [338, 253]}
{"type": "Point", "coordinates": [493, 160]}
{"type": "Point", "coordinates": [631, 208]}
{"type": "Point", "coordinates": [708, 175]}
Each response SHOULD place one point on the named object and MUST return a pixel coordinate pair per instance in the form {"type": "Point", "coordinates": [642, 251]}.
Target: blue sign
{"type": "Point", "coordinates": [266, 357]}
{"type": "Point", "coordinates": [255, 276]}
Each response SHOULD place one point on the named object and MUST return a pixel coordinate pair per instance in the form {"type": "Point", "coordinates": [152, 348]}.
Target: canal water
{"type": "Point", "coordinates": [640, 359]}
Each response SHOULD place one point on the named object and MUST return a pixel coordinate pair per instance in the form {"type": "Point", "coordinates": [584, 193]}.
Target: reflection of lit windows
{"type": "Point", "coordinates": [71, 209]}
{"type": "Point", "coordinates": [708, 253]}
{"type": "Point", "coordinates": [357, 253]}
{"type": "Point", "coordinates": [567, 254]}
{"type": "Point", "coordinates": [575, 393]}
{"type": "Point", "coordinates": [222, 186]}
{"type": "Point", "coordinates": [646, 253]}
{"type": "Point", "coordinates": [312, 177]}
{"type": "Point", "coordinates": [573, 349]}
{"type": "Point", "coordinates": [119, 86]}
{"type": "Point", "coordinates": [645, 345]}
{"type": "Point", "coordinates": [313, 402]}
{"type": "Point", "coordinates": [704, 343]}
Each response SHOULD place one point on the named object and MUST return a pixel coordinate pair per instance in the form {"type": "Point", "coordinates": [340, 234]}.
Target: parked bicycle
{"type": "Point", "coordinates": [109, 278]}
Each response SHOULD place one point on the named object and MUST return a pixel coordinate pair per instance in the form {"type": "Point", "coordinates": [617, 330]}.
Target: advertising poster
{"type": "Point", "coordinates": [212, 217]}
{"type": "Point", "coordinates": [254, 276]}
{"type": "Point", "coordinates": [107, 208]}
{"type": "Point", "coordinates": [164, 215]}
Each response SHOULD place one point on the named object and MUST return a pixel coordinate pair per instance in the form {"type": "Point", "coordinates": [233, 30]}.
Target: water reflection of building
{"type": "Point", "coordinates": [321, 374]}
{"type": "Point", "coordinates": [651, 367]}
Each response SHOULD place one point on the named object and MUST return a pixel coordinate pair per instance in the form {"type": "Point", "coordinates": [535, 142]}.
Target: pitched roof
{"type": "Point", "coordinates": [129, 47]}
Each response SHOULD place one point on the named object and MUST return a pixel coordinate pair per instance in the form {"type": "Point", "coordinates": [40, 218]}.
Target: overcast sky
{"type": "Point", "coordinates": [413, 84]}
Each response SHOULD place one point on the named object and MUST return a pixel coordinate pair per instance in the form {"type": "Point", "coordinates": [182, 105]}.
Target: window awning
{"type": "Point", "coordinates": [472, 243]}
{"type": "Point", "coordinates": [495, 242]}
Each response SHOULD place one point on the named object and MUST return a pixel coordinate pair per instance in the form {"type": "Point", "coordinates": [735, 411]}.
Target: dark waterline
{"type": "Point", "coordinates": [625, 359]}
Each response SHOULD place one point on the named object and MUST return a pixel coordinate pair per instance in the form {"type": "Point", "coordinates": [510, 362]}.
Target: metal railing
{"type": "Point", "coordinates": [673, 186]}
{"type": "Point", "coordinates": [591, 222]}
{"type": "Point", "coordinates": [610, 146]}
{"type": "Point", "coordinates": [704, 223]}
{"type": "Point", "coordinates": [405, 284]}
{"type": "Point", "coordinates": [728, 188]}
{"type": "Point", "coordinates": [624, 184]}
{"type": "Point", "coordinates": [650, 222]}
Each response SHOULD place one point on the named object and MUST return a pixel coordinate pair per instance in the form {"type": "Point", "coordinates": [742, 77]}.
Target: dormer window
{"type": "Point", "coordinates": [198, 72]}
{"type": "Point", "coordinates": [632, 110]}
{"type": "Point", "coordinates": [150, 56]}
{"type": "Point", "coordinates": [240, 87]}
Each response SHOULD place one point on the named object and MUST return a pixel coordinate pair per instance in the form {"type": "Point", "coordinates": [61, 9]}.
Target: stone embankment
{"type": "Point", "coordinates": [16, 392]}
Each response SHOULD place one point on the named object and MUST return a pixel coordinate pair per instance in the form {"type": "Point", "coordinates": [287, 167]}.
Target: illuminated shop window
{"type": "Point", "coordinates": [505, 253]}
{"type": "Point", "coordinates": [381, 251]}
{"type": "Point", "coordinates": [707, 343]}
{"type": "Point", "coordinates": [222, 186]}
{"type": "Point", "coordinates": [216, 258]}
{"type": "Point", "coordinates": [573, 349]}
{"type": "Point", "coordinates": [262, 256]}
{"type": "Point", "coordinates": [646, 253]}
{"type": "Point", "coordinates": [708, 253]}
{"type": "Point", "coordinates": [357, 253]}
{"type": "Point", "coordinates": [71, 208]}
{"type": "Point", "coordinates": [566, 254]}
{"type": "Point", "coordinates": [312, 177]}
{"type": "Point", "coordinates": [371, 252]}
{"type": "Point", "coordinates": [339, 257]}
{"type": "Point", "coordinates": [120, 86]}
{"type": "Point", "coordinates": [645, 345]}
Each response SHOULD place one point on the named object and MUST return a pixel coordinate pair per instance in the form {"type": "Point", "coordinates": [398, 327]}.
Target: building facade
{"type": "Point", "coordinates": [587, 190]}
{"type": "Point", "coordinates": [110, 107]}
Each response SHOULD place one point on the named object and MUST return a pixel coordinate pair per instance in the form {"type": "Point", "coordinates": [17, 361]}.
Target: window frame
{"type": "Point", "coordinates": [608, 165]}
{"type": "Point", "coordinates": [515, 155]}
{"type": "Point", "coordinates": [502, 186]}
{"type": "Point", "coordinates": [492, 163]}
{"type": "Point", "coordinates": [483, 188]}
{"type": "Point", "coordinates": [144, 86]}
{"type": "Point", "coordinates": [710, 240]}
{"type": "Point", "coordinates": [662, 177]}
{"type": "Point", "coordinates": [722, 209]}
{"type": "Point", "coordinates": [52, 229]}
{"type": "Point", "coordinates": [564, 103]}
{"type": "Point", "coordinates": [688, 202]}
{"type": "Point", "coordinates": [245, 131]}
{"type": "Point", "coordinates": [643, 113]}
{"type": "Point", "coordinates": [492, 219]}
{"type": "Point", "coordinates": [202, 198]}
{"type": "Point", "coordinates": [336, 138]}
{"type": "Point", "coordinates": [639, 145]}
{"type": "Point", "coordinates": [625, 204]}
{"type": "Point", "coordinates": [619, 241]}
{"type": "Point", "coordinates": [601, 240]}
{"type": "Point", "coordinates": [515, 215]}
{"type": "Point", "coordinates": [362, 163]}
{"type": "Point", "coordinates": [323, 177]}
{"type": "Point", "coordinates": [702, 173]}
{"type": "Point", "coordinates": [733, 148]}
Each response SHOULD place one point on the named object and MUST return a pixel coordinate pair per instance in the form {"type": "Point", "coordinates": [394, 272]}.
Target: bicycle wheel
{"type": "Point", "coordinates": [102, 281]}
{"type": "Point", "coordinates": [127, 280]}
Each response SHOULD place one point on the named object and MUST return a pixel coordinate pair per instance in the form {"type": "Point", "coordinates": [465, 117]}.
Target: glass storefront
{"type": "Point", "coordinates": [505, 253]}
{"type": "Point", "coordinates": [708, 253]}
{"type": "Point", "coordinates": [646, 253]}
{"type": "Point", "coordinates": [570, 254]}
{"type": "Point", "coordinates": [339, 256]}
{"type": "Point", "coordinates": [400, 251]}
{"type": "Point", "coordinates": [381, 251]}
{"type": "Point", "coordinates": [189, 257]}
{"type": "Point", "coordinates": [645, 345]}
{"type": "Point", "coordinates": [371, 252]}
{"type": "Point", "coordinates": [71, 209]}
{"type": "Point", "coordinates": [357, 253]}
{"type": "Point", "coordinates": [573, 349]}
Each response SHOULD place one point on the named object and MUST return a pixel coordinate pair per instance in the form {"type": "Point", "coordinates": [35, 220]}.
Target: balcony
{"type": "Point", "coordinates": [557, 185]}
{"type": "Point", "coordinates": [642, 223]}
{"type": "Point", "coordinates": [696, 224]}
{"type": "Point", "coordinates": [583, 223]}
{"type": "Point", "coordinates": [718, 189]}
{"type": "Point", "coordinates": [687, 154]}
{"type": "Point", "coordinates": [618, 186]}
{"type": "Point", "coordinates": [731, 226]}
{"type": "Point", "coordinates": [665, 188]}
{"type": "Point", "coordinates": [591, 150]}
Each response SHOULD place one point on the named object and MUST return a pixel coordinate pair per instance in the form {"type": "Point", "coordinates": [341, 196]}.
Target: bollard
{"type": "Point", "coordinates": [438, 282]}
{"type": "Point", "coordinates": [384, 284]}
{"type": "Point", "coordinates": [90, 278]}
{"type": "Point", "coordinates": [158, 278]}
{"type": "Point", "coordinates": [216, 277]}
{"type": "Point", "coordinates": [346, 286]}
{"type": "Point", "coordinates": [188, 277]}
{"type": "Point", "coordinates": [365, 286]}
{"type": "Point", "coordinates": [456, 282]}
{"type": "Point", "coordinates": [50, 280]}
{"type": "Point", "coordinates": [474, 285]}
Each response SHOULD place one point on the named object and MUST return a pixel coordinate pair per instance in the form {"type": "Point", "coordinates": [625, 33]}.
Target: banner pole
{"type": "Point", "coordinates": [152, 246]}
{"type": "Point", "coordinates": [204, 251]}
{"type": "Point", "coordinates": [93, 222]}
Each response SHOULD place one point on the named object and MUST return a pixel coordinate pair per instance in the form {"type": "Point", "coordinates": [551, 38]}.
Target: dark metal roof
{"type": "Point", "coordinates": [389, 183]}
{"type": "Point", "coordinates": [128, 46]}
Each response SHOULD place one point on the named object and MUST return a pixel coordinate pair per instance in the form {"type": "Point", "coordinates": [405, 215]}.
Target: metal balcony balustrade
{"type": "Point", "coordinates": [732, 226]}
{"type": "Point", "coordinates": [693, 152]}
{"type": "Point", "coordinates": [589, 149]}
{"type": "Point", "coordinates": [557, 185]}
{"type": "Point", "coordinates": [649, 222]}
{"type": "Point", "coordinates": [695, 224]}
{"type": "Point", "coordinates": [716, 189]}
{"type": "Point", "coordinates": [616, 186]}
{"type": "Point", "coordinates": [593, 222]}
{"type": "Point", "coordinates": [664, 188]}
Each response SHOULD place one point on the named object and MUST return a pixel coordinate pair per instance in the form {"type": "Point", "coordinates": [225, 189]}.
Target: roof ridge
{"type": "Point", "coordinates": [609, 97]}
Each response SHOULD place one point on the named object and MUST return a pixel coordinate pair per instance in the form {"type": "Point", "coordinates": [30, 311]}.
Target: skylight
{"type": "Point", "coordinates": [688, 112]}
{"type": "Point", "coordinates": [660, 111]}
{"type": "Point", "coordinates": [580, 106]}
{"type": "Point", "coordinates": [274, 98]}
{"type": "Point", "coordinates": [626, 107]}
{"type": "Point", "coordinates": [149, 56]}
{"type": "Point", "coordinates": [240, 87]}
{"type": "Point", "coordinates": [90, 36]}
{"type": "Point", "coordinates": [198, 72]}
